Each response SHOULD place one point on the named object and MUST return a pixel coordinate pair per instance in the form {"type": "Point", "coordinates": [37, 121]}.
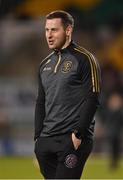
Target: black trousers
{"type": "Point", "coordinates": [58, 158]}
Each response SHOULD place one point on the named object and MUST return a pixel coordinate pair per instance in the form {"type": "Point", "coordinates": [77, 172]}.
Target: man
{"type": "Point", "coordinates": [114, 124]}
{"type": "Point", "coordinates": [69, 86]}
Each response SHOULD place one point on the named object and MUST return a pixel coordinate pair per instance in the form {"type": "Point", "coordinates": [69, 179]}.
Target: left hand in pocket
{"type": "Point", "coordinates": [76, 141]}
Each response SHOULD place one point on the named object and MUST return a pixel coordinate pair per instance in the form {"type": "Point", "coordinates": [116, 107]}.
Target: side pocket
{"type": "Point", "coordinates": [35, 145]}
{"type": "Point", "coordinates": [72, 145]}
{"type": "Point", "coordinates": [71, 142]}
{"type": "Point", "coordinates": [67, 147]}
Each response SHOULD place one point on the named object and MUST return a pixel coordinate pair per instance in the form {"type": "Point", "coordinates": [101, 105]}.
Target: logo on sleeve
{"type": "Point", "coordinates": [67, 66]}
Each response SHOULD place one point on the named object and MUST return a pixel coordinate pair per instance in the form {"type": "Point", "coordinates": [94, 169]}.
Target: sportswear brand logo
{"type": "Point", "coordinates": [67, 66]}
{"type": "Point", "coordinates": [47, 69]}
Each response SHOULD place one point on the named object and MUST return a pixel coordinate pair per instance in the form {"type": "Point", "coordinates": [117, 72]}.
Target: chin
{"type": "Point", "coordinates": [51, 47]}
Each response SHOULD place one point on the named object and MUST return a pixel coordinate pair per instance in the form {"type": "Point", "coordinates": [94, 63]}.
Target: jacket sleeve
{"type": "Point", "coordinates": [39, 109]}
{"type": "Point", "coordinates": [90, 75]}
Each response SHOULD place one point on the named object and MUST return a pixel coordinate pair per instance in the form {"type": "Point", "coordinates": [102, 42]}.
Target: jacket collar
{"type": "Point", "coordinates": [71, 45]}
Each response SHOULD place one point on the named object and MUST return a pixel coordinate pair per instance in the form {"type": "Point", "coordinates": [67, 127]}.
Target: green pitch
{"type": "Point", "coordinates": [97, 167]}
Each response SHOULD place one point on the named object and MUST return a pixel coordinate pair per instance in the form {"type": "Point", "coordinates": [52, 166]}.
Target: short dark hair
{"type": "Point", "coordinates": [66, 18]}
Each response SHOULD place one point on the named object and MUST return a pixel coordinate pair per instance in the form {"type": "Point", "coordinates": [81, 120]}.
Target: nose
{"type": "Point", "coordinates": [49, 35]}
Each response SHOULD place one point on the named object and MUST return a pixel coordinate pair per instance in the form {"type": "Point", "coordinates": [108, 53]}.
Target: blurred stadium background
{"type": "Point", "coordinates": [99, 28]}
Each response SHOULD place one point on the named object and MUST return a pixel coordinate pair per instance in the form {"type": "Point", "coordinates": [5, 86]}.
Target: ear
{"type": "Point", "coordinates": [69, 30]}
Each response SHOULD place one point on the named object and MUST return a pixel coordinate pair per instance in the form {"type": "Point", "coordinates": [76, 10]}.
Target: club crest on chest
{"type": "Point", "coordinates": [67, 66]}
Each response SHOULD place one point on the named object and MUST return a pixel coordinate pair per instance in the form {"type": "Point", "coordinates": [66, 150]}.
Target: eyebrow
{"type": "Point", "coordinates": [51, 28]}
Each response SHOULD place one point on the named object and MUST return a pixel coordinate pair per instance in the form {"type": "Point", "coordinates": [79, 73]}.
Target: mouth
{"type": "Point", "coordinates": [50, 42]}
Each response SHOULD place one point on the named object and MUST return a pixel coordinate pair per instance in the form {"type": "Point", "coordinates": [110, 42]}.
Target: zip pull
{"type": "Point", "coordinates": [58, 62]}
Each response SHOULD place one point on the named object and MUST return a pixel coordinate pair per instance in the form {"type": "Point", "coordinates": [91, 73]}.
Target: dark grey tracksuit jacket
{"type": "Point", "coordinates": [68, 93]}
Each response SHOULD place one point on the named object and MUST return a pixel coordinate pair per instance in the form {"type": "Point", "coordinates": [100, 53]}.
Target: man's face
{"type": "Point", "coordinates": [55, 32]}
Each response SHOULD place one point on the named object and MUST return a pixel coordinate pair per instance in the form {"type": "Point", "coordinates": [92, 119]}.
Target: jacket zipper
{"type": "Point", "coordinates": [57, 64]}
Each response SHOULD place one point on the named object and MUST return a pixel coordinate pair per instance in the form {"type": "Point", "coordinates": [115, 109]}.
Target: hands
{"type": "Point", "coordinates": [76, 141]}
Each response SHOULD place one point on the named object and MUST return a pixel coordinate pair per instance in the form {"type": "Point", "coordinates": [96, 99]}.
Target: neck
{"type": "Point", "coordinates": [68, 40]}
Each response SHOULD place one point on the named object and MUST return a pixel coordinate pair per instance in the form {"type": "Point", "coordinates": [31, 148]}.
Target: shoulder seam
{"type": "Point", "coordinates": [45, 58]}
{"type": "Point", "coordinates": [94, 68]}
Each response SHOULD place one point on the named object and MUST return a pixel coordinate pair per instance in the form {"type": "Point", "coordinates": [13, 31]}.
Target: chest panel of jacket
{"type": "Point", "coordinates": [61, 85]}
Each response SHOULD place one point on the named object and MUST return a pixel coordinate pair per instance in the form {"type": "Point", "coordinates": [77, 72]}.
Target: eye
{"type": "Point", "coordinates": [54, 29]}
{"type": "Point", "coordinates": [46, 29]}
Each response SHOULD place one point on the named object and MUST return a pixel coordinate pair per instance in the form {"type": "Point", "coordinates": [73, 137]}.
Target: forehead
{"type": "Point", "coordinates": [56, 22]}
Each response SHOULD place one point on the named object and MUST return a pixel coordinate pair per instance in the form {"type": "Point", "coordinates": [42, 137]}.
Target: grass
{"type": "Point", "coordinates": [97, 167]}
